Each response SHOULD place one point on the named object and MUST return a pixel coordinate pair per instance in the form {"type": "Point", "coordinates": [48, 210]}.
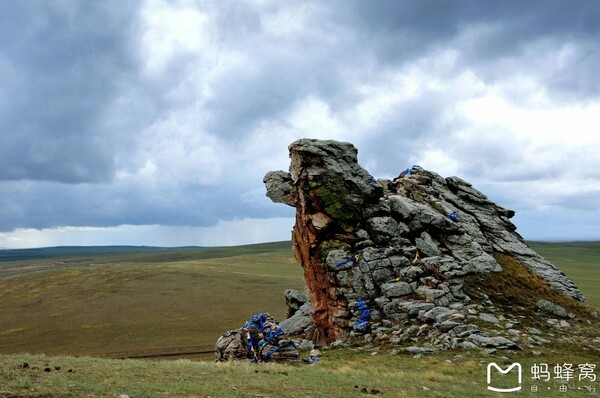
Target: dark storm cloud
{"type": "Point", "coordinates": [419, 25]}
{"type": "Point", "coordinates": [24, 204]}
{"type": "Point", "coordinates": [277, 72]}
{"type": "Point", "coordinates": [82, 114]}
{"type": "Point", "coordinates": [407, 131]}
{"type": "Point", "coordinates": [496, 31]}
{"type": "Point", "coordinates": [60, 62]}
{"type": "Point", "coordinates": [495, 39]}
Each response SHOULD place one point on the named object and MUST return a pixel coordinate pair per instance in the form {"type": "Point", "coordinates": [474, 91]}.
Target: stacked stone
{"type": "Point", "coordinates": [404, 247]}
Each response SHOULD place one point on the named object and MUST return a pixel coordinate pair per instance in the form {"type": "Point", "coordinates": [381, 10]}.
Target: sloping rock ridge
{"type": "Point", "coordinates": [388, 251]}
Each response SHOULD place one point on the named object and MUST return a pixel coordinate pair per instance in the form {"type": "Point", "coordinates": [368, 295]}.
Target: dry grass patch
{"type": "Point", "coordinates": [519, 288]}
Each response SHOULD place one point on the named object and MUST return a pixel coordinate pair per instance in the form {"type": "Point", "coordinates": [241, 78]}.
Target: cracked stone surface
{"type": "Point", "coordinates": [393, 245]}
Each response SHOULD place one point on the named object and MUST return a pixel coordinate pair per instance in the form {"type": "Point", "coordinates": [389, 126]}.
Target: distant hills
{"type": "Point", "coordinates": [139, 253]}
{"type": "Point", "coordinates": [41, 253]}
{"type": "Point", "coordinates": [62, 251]}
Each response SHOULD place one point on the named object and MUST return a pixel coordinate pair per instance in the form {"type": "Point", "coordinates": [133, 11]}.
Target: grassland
{"type": "Point", "coordinates": [19, 262]}
{"type": "Point", "coordinates": [137, 303]}
{"type": "Point", "coordinates": [144, 303]}
{"type": "Point", "coordinates": [578, 260]}
{"type": "Point", "coordinates": [340, 373]}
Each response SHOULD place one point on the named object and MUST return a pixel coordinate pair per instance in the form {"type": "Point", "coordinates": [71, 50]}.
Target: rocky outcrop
{"type": "Point", "coordinates": [294, 299]}
{"type": "Point", "coordinates": [300, 321]}
{"type": "Point", "coordinates": [400, 248]}
{"type": "Point", "coordinates": [299, 318]}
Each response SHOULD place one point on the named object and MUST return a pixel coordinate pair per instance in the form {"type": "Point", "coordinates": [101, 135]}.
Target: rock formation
{"type": "Point", "coordinates": [402, 248]}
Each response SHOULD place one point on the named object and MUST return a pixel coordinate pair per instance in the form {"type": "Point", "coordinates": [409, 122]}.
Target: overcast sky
{"type": "Point", "coordinates": [154, 122]}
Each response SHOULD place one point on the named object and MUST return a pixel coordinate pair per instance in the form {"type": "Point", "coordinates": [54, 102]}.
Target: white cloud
{"type": "Point", "coordinates": [224, 233]}
{"type": "Point", "coordinates": [171, 29]}
{"type": "Point", "coordinates": [294, 22]}
{"type": "Point", "coordinates": [313, 117]}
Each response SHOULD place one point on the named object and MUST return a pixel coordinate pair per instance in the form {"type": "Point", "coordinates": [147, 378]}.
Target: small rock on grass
{"type": "Point", "coordinates": [552, 308]}
{"type": "Point", "coordinates": [418, 350]}
{"type": "Point", "coordinates": [489, 318]}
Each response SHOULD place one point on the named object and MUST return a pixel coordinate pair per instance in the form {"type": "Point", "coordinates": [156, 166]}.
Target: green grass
{"type": "Point", "coordinates": [143, 307]}
{"type": "Point", "coordinates": [51, 259]}
{"type": "Point", "coordinates": [152, 303]}
{"type": "Point", "coordinates": [340, 373]}
{"type": "Point", "coordinates": [580, 261]}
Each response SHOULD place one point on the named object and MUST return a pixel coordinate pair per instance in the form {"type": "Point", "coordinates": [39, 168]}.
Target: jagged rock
{"type": "Point", "coordinates": [414, 307]}
{"type": "Point", "coordinates": [558, 323]}
{"type": "Point", "coordinates": [467, 345]}
{"type": "Point", "coordinates": [294, 299]}
{"type": "Point", "coordinates": [300, 321]}
{"type": "Point", "coordinates": [384, 229]}
{"type": "Point", "coordinates": [305, 345]}
{"type": "Point", "coordinates": [396, 289]}
{"type": "Point", "coordinates": [494, 342]}
{"type": "Point", "coordinates": [280, 353]}
{"type": "Point", "coordinates": [279, 187]}
{"type": "Point", "coordinates": [336, 260]}
{"type": "Point", "coordinates": [465, 330]}
{"type": "Point", "coordinates": [395, 340]}
{"type": "Point", "coordinates": [553, 309]}
{"type": "Point", "coordinates": [426, 245]}
{"type": "Point", "coordinates": [430, 294]}
{"type": "Point", "coordinates": [489, 318]}
{"type": "Point", "coordinates": [403, 207]}
{"type": "Point", "coordinates": [540, 340]}
{"type": "Point", "coordinates": [339, 343]}
{"type": "Point", "coordinates": [231, 345]}
{"type": "Point", "coordinates": [388, 242]}
{"type": "Point", "coordinates": [439, 314]}
{"type": "Point", "coordinates": [448, 325]}
{"type": "Point", "coordinates": [418, 350]}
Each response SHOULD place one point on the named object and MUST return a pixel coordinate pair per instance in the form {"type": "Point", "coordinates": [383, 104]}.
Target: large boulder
{"type": "Point", "coordinates": [381, 250]}
{"type": "Point", "coordinates": [294, 299]}
{"type": "Point", "coordinates": [300, 321]}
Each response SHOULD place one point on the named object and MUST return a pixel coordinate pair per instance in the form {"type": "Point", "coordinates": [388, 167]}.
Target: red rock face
{"type": "Point", "coordinates": [306, 239]}
{"type": "Point", "coordinates": [319, 183]}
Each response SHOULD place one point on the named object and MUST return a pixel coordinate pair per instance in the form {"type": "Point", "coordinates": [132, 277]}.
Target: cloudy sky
{"type": "Point", "coordinates": [153, 122]}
